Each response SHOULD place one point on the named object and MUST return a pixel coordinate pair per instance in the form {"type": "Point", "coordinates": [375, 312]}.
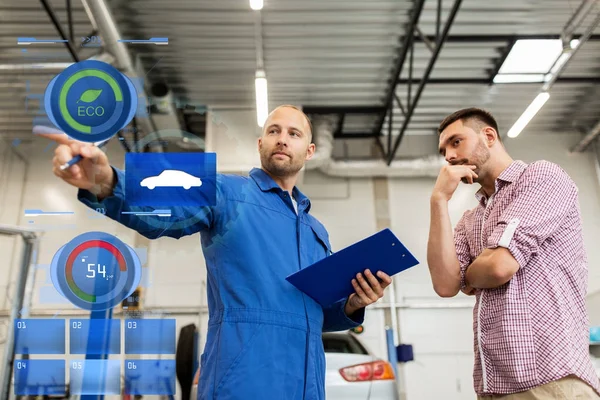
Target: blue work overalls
{"type": "Point", "coordinates": [264, 335]}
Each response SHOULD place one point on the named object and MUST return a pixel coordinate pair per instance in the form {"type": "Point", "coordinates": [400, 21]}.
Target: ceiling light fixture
{"type": "Point", "coordinates": [256, 5]}
{"type": "Point", "coordinates": [528, 114]}
{"type": "Point", "coordinates": [518, 78]}
{"type": "Point", "coordinates": [574, 43]}
{"type": "Point", "coordinates": [262, 97]}
{"type": "Point", "coordinates": [529, 56]}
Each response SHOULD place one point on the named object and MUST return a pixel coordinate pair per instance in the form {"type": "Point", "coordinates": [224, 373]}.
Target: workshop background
{"type": "Point", "coordinates": [376, 78]}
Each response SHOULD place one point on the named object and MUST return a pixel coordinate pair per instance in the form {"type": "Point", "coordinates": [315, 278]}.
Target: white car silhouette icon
{"type": "Point", "coordinates": [171, 178]}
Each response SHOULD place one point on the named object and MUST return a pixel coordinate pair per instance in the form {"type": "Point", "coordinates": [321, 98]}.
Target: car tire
{"type": "Point", "coordinates": [150, 187]}
{"type": "Point", "coordinates": [187, 187]}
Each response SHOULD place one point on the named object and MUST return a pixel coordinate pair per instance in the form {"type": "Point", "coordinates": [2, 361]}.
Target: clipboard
{"type": "Point", "coordinates": [330, 279]}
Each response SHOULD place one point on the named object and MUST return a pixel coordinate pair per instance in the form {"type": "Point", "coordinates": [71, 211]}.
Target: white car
{"type": "Point", "coordinates": [171, 178]}
{"type": "Point", "coordinates": [351, 372]}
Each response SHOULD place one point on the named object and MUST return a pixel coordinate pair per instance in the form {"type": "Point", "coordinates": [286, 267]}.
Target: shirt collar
{"type": "Point", "coordinates": [266, 183]}
{"type": "Point", "coordinates": [509, 175]}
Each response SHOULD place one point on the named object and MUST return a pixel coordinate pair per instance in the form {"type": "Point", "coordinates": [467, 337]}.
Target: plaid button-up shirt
{"type": "Point", "coordinates": [533, 329]}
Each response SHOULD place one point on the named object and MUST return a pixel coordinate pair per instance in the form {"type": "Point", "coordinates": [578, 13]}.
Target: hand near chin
{"type": "Point", "coordinates": [449, 178]}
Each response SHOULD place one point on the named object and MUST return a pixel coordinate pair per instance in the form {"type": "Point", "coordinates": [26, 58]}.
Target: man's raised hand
{"type": "Point", "coordinates": [92, 173]}
{"type": "Point", "coordinates": [449, 178]}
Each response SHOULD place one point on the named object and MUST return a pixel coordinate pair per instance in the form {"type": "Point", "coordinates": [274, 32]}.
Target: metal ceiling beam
{"type": "Point", "coordinates": [497, 38]}
{"type": "Point", "coordinates": [505, 52]}
{"type": "Point", "coordinates": [587, 139]}
{"type": "Point", "coordinates": [60, 30]}
{"type": "Point", "coordinates": [485, 81]}
{"type": "Point", "coordinates": [576, 19]}
{"type": "Point", "coordinates": [342, 109]}
{"type": "Point", "coordinates": [397, 71]}
{"type": "Point", "coordinates": [413, 105]}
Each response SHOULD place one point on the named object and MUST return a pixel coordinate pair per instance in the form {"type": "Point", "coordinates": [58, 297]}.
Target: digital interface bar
{"type": "Point", "coordinates": [30, 340]}
{"type": "Point", "coordinates": [25, 41]}
{"type": "Point", "coordinates": [150, 377]}
{"type": "Point", "coordinates": [157, 41]}
{"type": "Point", "coordinates": [150, 336]}
{"type": "Point", "coordinates": [38, 212]}
{"type": "Point", "coordinates": [157, 213]}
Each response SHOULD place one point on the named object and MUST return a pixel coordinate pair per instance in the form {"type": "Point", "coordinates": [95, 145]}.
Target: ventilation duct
{"type": "Point", "coordinates": [322, 160]}
{"type": "Point", "coordinates": [102, 18]}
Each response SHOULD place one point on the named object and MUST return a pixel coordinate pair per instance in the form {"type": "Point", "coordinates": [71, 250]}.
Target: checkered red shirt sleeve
{"type": "Point", "coordinates": [461, 245]}
{"type": "Point", "coordinates": [536, 211]}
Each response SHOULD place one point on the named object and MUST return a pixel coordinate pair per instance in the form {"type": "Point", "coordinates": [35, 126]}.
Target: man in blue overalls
{"type": "Point", "coordinates": [264, 335]}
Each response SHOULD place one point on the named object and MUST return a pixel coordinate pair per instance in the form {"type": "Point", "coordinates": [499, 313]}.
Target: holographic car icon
{"type": "Point", "coordinates": [171, 178]}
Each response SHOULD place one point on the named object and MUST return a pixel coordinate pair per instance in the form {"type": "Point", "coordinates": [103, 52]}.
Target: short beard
{"type": "Point", "coordinates": [480, 156]}
{"type": "Point", "coordinates": [281, 169]}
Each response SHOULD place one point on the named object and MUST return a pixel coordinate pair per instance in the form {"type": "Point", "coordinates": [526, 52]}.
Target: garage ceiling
{"type": "Point", "coordinates": [326, 55]}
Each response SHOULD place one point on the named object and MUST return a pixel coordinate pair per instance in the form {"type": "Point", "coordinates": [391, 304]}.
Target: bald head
{"type": "Point", "coordinates": [291, 111]}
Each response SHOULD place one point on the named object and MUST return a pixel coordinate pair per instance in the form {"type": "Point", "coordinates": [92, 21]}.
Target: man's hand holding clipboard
{"type": "Point", "coordinates": [367, 290]}
{"type": "Point", "coordinates": [337, 276]}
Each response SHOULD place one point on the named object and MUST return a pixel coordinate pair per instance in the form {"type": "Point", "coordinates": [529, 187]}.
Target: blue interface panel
{"type": "Point", "coordinates": [150, 377]}
{"type": "Point", "coordinates": [39, 377]}
{"type": "Point", "coordinates": [94, 377]}
{"type": "Point", "coordinates": [150, 336]}
{"type": "Point", "coordinates": [95, 336]}
{"type": "Point", "coordinates": [39, 336]}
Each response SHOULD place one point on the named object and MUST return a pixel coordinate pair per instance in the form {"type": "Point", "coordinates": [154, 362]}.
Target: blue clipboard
{"type": "Point", "coordinates": [330, 279]}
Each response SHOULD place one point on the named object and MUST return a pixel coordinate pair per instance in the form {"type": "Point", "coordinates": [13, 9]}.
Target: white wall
{"type": "Point", "coordinates": [442, 337]}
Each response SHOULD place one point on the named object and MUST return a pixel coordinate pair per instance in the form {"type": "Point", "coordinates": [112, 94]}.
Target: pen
{"type": "Point", "coordinates": [78, 157]}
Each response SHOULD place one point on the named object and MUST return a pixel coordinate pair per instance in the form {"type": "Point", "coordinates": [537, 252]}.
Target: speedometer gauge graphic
{"type": "Point", "coordinates": [95, 271]}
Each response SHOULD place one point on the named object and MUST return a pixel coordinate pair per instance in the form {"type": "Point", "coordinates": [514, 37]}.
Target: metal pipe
{"type": "Point", "coordinates": [389, 97]}
{"type": "Point", "coordinates": [438, 19]}
{"type": "Point", "coordinates": [567, 55]}
{"type": "Point", "coordinates": [9, 344]}
{"type": "Point", "coordinates": [70, 21]}
{"type": "Point", "coordinates": [394, 312]}
{"type": "Point", "coordinates": [258, 40]}
{"type": "Point", "coordinates": [390, 124]}
{"type": "Point", "coordinates": [107, 28]}
{"type": "Point", "coordinates": [576, 19]}
{"type": "Point", "coordinates": [90, 16]}
{"type": "Point", "coordinates": [427, 42]}
{"type": "Point", "coordinates": [28, 294]}
{"type": "Point", "coordinates": [59, 28]}
{"type": "Point", "coordinates": [587, 139]}
{"type": "Point", "coordinates": [110, 34]}
{"type": "Point", "coordinates": [17, 230]}
{"type": "Point", "coordinates": [432, 62]}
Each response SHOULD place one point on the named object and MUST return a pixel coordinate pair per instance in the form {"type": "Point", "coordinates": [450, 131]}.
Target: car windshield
{"type": "Point", "coordinates": [169, 172]}
{"type": "Point", "coordinates": [342, 344]}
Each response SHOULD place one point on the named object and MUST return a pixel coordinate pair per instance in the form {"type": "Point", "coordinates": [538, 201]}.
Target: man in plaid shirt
{"type": "Point", "coordinates": [521, 253]}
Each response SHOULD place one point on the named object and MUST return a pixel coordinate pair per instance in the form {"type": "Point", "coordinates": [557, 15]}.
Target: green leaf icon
{"type": "Point", "coordinates": [90, 95]}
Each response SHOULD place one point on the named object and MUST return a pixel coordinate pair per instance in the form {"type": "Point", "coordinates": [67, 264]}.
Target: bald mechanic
{"type": "Point", "coordinates": [264, 335]}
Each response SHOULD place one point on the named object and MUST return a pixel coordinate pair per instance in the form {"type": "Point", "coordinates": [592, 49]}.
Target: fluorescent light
{"type": "Point", "coordinates": [50, 65]}
{"type": "Point", "coordinates": [528, 115]}
{"type": "Point", "coordinates": [531, 56]}
{"type": "Point", "coordinates": [262, 97]}
{"type": "Point", "coordinates": [256, 5]}
{"type": "Point", "coordinates": [574, 43]}
{"type": "Point", "coordinates": [518, 78]}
